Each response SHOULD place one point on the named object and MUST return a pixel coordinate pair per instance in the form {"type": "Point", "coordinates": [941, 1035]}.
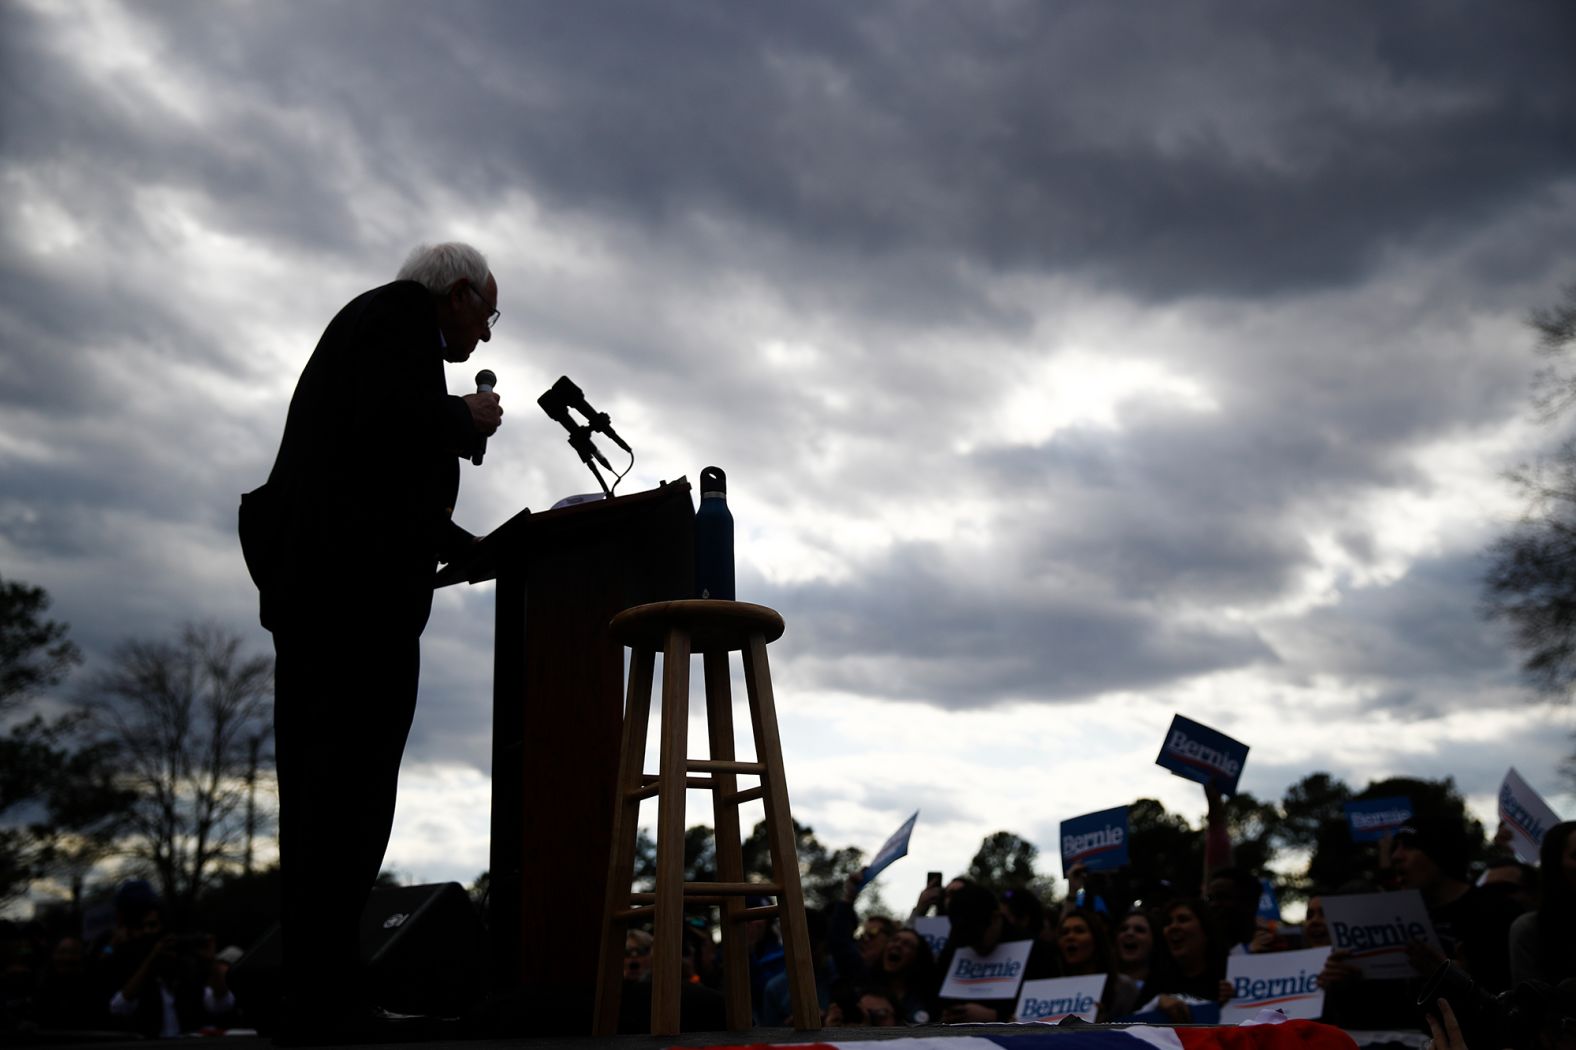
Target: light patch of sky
{"type": "Point", "coordinates": [1079, 387]}
{"type": "Point", "coordinates": [1461, 499]}
{"type": "Point", "coordinates": [520, 235]}
{"type": "Point", "coordinates": [442, 824]}
{"type": "Point", "coordinates": [109, 44]}
{"type": "Point", "coordinates": [794, 543]}
{"type": "Point", "coordinates": [36, 223]}
{"type": "Point", "coordinates": [786, 356]}
{"type": "Point", "coordinates": [19, 448]}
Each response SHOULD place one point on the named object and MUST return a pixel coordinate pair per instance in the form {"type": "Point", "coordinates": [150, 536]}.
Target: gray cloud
{"type": "Point", "coordinates": [914, 627]}
{"type": "Point", "coordinates": [1323, 218]}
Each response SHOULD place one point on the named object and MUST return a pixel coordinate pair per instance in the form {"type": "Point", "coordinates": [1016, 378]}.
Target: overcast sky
{"type": "Point", "coordinates": [1073, 364]}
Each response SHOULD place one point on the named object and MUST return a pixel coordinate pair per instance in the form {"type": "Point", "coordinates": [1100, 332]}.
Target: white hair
{"type": "Point", "coordinates": [437, 267]}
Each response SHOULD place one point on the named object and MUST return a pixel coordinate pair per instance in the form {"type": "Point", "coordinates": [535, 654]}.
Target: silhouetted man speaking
{"type": "Point", "coordinates": [344, 541]}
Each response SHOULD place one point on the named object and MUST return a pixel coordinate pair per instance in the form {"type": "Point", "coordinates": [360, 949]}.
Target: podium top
{"type": "Point", "coordinates": [527, 530]}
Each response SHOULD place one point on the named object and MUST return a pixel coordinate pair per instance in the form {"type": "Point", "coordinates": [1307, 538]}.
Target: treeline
{"type": "Point", "coordinates": [1301, 842]}
{"type": "Point", "coordinates": [150, 766]}
{"type": "Point", "coordinates": [155, 766]}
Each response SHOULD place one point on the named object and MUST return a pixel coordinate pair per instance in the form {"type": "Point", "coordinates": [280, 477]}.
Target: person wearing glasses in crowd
{"type": "Point", "coordinates": [343, 542]}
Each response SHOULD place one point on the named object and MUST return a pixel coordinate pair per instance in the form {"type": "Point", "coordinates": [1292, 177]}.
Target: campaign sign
{"type": "Point", "coordinates": [1269, 907]}
{"type": "Point", "coordinates": [1371, 819]}
{"type": "Point", "coordinates": [1377, 927]}
{"type": "Point", "coordinates": [993, 976]}
{"type": "Point", "coordinates": [1098, 841]}
{"type": "Point", "coordinates": [894, 847]}
{"type": "Point", "coordinates": [1051, 1000]}
{"type": "Point", "coordinates": [935, 929]}
{"type": "Point", "coordinates": [1284, 981]}
{"type": "Point", "coordinates": [1199, 753]}
{"type": "Point", "coordinates": [1524, 812]}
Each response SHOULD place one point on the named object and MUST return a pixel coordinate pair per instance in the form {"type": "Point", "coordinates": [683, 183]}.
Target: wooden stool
{"type": "Point", "coordinates": [713, 629]}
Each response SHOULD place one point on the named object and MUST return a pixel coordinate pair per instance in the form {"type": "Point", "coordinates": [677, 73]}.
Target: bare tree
{"type": "Point", "coordinates": [1531, 579]}
{"type": "Point", "coordinates": [183, 715]}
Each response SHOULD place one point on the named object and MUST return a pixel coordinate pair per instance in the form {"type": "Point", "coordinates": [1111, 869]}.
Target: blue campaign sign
{"type": "Point", "coordinates": [1371, 819]}
{"type": "Point", "coordinates": [895, 846]}
{"type": "Point", "coordinates": [1269, 907]}
{"type": "Point", "coordinates": [1098, 841]}
{"type": "Point", "coordinates": [1197, 752]}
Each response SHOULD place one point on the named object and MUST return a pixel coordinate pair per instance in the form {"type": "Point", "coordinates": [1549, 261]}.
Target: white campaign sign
{"type": "Point", "coordinates": [1284, 981]}
{"type": "Point", "coordinates": [993, 976]}
{"type": "Point", "coordinates": [1524, 812]}
{"type": "Point", "coordinates": [935, 929]}
{"type": "Point", "coordinates": [1050, 1000]}
{"type": "Point", "coordinates": [1376, 928]}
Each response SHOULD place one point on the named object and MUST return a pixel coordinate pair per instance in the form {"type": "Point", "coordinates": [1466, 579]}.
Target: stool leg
{"type": "Point", "coordinates": [667, 961]}
{"type": "Point", "coordinates": [730, 853]}
{"type": "Point", "coordinates": [780, 836]}
{"type": "Point", "coordinates": [621, 867]}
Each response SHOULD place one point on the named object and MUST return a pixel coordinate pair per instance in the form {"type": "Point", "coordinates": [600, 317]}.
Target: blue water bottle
{"type": "Point", "coordinates": [713, 538]}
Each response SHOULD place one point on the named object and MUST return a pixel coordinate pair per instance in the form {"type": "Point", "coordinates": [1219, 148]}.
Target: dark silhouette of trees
{"type": "Point", "coordinates": [1167, 852]}
{"type": "Point", "coordinates": [1004, 861]}
{"type": "Point", "coordinates": [34, 652]}
{"type": "Point", "coordinates": [1313, 821]}
{"type": "Point", "coordinates": [1531, 578]}
{"type": "Point", "coordinates": [1337, 859]}
{"type": "Point", "coordinates": [182, 715]}
{"type": "Point", "coordinates": [1253, 827]}
{"type": "Point", "coordinates": [821, 870]}
{"type": "Point", "coordinates": [60, 805]}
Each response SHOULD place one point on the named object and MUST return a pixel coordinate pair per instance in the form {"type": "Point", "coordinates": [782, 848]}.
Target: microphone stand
{"type": "Point", "coordinates": [580, 441]}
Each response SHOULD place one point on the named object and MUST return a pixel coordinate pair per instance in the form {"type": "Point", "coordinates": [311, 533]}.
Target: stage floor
{"type": "Point", "coordinates": [921, 1038]}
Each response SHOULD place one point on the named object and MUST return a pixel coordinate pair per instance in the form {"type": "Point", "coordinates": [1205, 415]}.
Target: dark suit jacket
{"type": "Point", "coordinates": [357, 511]}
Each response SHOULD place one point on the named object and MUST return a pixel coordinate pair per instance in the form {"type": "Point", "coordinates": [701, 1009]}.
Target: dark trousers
{"type": "Point", "coordinates": [344, 697]}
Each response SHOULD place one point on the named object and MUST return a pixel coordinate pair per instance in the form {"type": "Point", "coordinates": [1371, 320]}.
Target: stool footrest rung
{"type": "Point", "coordinates": [712, 765]}
{"type": "Point", "coordinates": [647, 911]}
{"type": "Point", "coordinates": [654, 787]}
{"type": "Point", "coordinates": [718, 889]}
{"type": "Point", "coordinates": [738, 798]}
{"type": "Point", "coordinates": [734, 889]}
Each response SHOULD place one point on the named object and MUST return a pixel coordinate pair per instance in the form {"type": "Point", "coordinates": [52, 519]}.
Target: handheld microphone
{"type": "Point", "coordinates": [485, 381]}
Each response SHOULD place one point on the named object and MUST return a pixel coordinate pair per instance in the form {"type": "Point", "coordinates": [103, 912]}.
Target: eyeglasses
{"type": "Point", "coordinates": [492, 318]}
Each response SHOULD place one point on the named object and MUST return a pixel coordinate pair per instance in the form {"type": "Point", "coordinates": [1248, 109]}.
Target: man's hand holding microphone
{"type": "Point", "coordinates": [486, 412]}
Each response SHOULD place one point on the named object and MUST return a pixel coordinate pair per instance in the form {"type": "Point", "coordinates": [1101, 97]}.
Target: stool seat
{"type": "Point", "coordinates": [713, 625]}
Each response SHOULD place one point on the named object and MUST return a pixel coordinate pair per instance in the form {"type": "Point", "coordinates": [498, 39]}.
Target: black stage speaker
{"type": "Point", "coordinates": [423, 946]}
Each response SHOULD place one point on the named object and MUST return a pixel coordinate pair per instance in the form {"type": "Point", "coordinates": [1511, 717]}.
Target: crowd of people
{"type": "Point", "coordinates": [1501, 925]}
{"type": "Point", "coordinates": [139, 978]}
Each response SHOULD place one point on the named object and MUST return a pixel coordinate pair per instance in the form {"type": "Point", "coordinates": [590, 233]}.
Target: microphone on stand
{"type": "Point", "coordinates": [556, 402]}
{"type": "Point", "coordinates": [485, 381]}
{"type": "Point", "coordinates": [565, 393]}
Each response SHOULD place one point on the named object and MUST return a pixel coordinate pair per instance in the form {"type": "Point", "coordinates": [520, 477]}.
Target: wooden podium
{"type": "Point", "coordinates": [558, 710]}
